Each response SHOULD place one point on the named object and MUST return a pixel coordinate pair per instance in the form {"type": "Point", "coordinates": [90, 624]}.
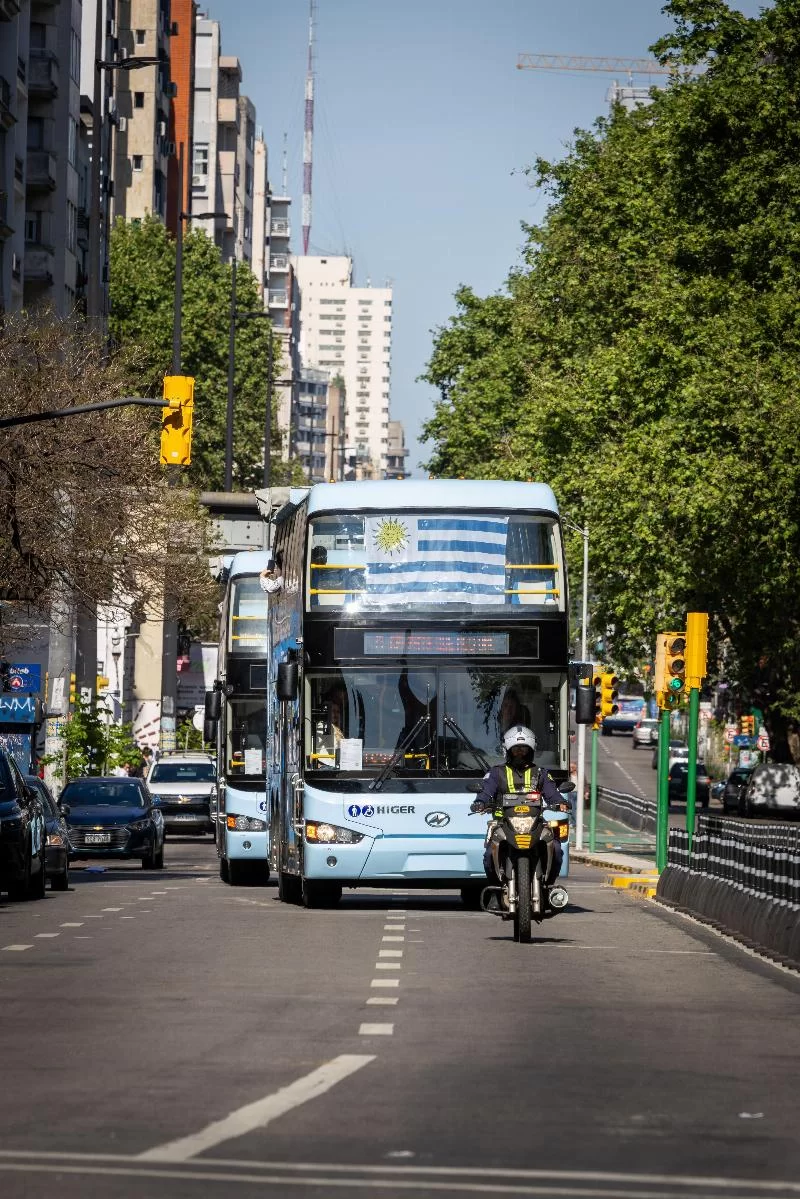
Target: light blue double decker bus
{"type": "Point", "coordinates": [415, 622]}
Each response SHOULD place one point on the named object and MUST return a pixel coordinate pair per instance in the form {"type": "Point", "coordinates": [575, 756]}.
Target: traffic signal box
{"type": "Point", "coordinates": [747, 725]}
{"type": "Point", "coordinates": [73, 688]}
{"type": "Point", "coordinates": [696, 648]}
{"type": "Point", "coordinates": [670, 680]}
{"type": "Point", "coordinates": [608, 694]}
{"type": "Point", "coordinates": [176, 420]}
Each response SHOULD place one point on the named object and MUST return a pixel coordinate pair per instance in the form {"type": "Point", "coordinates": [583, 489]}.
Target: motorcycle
{"type": "Point", "coordinates": [522, 836]}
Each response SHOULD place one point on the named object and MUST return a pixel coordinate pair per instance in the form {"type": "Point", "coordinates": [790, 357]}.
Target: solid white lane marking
{"type": "Point", "coordinates": [72, 924]}
{"type": "Point", "coordinates": [376, 1030]}
{"type": "Point", "coordinates": [388, 965]}
{"type": "Point", "coordinates": [37, 935]}
{"type": "Point", "coordinates": [384, 1000]}
{"type": "Point", "coordinates": [262, 1112]}
{"type": "Point", "coordinates": [392, 938]}
{"type": "Point", "coordinates": [385, 982]}
{"type": "Point", "coordinates": [390, 953]}
{"type": "Point", "coordinates": [15, 948]}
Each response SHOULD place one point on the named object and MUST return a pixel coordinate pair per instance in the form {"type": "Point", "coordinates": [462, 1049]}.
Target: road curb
{"type": "Point", "coordinates": [618, 867]}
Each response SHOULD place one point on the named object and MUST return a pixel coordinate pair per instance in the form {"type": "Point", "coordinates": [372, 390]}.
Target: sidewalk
{"type": "Point", "coordinates": [627, 855]}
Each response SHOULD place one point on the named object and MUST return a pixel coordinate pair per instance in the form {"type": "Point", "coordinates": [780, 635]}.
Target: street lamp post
{"type": "Point", "coordinates": [581, 747]}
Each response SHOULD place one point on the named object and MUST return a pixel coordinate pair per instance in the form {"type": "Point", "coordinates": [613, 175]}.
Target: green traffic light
{"type": "Point", "coordinates": [675, 684]}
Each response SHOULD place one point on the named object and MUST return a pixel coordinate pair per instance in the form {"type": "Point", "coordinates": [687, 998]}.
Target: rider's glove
{"type": "Point", "coordinates": [477, 805]}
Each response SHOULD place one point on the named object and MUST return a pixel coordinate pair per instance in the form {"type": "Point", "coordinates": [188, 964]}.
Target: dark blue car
{"type": "Point", "coordinates": [113, 818]}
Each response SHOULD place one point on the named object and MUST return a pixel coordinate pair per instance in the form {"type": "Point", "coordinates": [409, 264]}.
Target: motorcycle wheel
{"type": "Point", "coordinates": [522, 916]}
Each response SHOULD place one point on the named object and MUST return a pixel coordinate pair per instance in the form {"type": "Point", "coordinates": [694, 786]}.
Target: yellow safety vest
{"type": "Point", "coordinates": [526, 785]}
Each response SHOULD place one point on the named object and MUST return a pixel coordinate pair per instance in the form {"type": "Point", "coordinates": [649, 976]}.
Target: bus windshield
{"type": "Point", "coordinates": [247, 617]}
{"type": "Point", "coordinates": [433, 560]}
{"type": "Point", "coordinates": [438, 720]}
{"type": "Point", "coordinates": [246, 730]}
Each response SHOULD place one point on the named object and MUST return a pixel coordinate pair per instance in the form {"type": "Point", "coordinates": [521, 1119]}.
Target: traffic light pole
{"type": "Point", "coordinates": [691, 778]}
{"type": "Point", "coordinates": [593, 796]}
{"type": "Point", "coordinates": [662, 809]}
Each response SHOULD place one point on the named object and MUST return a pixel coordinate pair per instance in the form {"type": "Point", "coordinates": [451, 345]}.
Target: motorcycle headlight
{"type": "Point", "coordinates": [322, 833]}
{"type": "Point", "coordinates": [245, 824]}
{"type": "Point", "coordinates": [521, 824]}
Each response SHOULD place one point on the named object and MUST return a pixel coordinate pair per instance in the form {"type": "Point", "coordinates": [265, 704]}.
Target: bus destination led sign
{"type": "Point", "coordinates": [434, 642]}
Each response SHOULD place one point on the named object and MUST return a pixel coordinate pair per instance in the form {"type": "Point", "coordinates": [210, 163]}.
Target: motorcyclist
{"type": "Point", "coordinates": [519, 773]}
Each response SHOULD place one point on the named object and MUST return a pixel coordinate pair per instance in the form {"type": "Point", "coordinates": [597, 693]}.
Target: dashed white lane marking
{"type": "Point", "coordinates": [390, 953]}
{"type": "Point", "coordinates": [72, 924]}
{"type": "Point", "coordinates": [384, 1000]}
{"type": "Point", "coordinates": [259, 1114]}
{"type": "Point", "coordinates": [127, 917]}
{"type": "Point", "coordinates": [80, 938]}
{"type": "Point", "coordinates": [38, 935]}
{"type": "Point", "coordinates": [111, 909]}
{"type": "Point", "coordinates": [92, 916]}
{"type": "Point", "coordinates": [392, 938]}
{"type": "Point", "coordinates": [385, 982]}
{"type": "Point", "coordinates": [158, 892]}
{"type": "Point", "coordinates": [388, 965]}
{"type": "Point", "coordinates": [376, 1030]}
{"type": "Point", "coordinates": [15, 948]}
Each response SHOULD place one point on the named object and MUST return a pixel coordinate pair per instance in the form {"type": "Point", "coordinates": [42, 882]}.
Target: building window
{"type": "Point", "coordinates": [141, 34]}
{"type": "Point", "coordinates": [35, 133]}
{"type": "Point", "coordinates": [137, 162]}
{"type": "Point", "coordinates": [33, 227]}
{"type": "Point", "coordinates": [200, 163]}
{"type": "Point", "coordinates": [75, 55]}
{"type": "Point", "coordinates": [72, 142]}
{"type": "Point", "coordinates": [72, 226]}
{"type": "Point", "coordinates": [38, 35]}
{"type": "Point", "coordinates": [138, 99]}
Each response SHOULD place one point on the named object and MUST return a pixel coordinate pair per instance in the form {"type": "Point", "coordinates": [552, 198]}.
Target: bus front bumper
{"type": "Point", "coordinates": [246, 846]}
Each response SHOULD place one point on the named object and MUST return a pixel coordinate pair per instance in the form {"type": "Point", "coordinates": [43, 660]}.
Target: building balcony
{"type": "Point", "coordinates": [39, 265]}
{"type": "Point", "coordinates": [7, 118]}
{"type": "Point", "coordinates": [278, 299]}
{"type": "Point", "coordinates": [279, 262]}
{"type": "Point", "coordinates": [227, 112]}
{"type": "Point", "coordinates": [9, 9]}
{"type": "Point", "coordinates": [41, 174]}
{"type": "Point", "coordinates": [42, 74]}
{"type": "Point", "coordinates": [278, 227]}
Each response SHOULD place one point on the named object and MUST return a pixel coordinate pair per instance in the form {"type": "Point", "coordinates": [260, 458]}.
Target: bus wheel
{"type": "Point", "coordinates": [289, 888]}
{"type": "Point", "coordinates": [471, 896]}
{"type": "Point", "coordinates": [321, 895]}
{"type": "Point", "coordinates": [223, 870]}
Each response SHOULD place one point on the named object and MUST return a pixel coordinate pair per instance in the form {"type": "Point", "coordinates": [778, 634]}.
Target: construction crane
{"type": "Point", "coordinates": [582, 62]}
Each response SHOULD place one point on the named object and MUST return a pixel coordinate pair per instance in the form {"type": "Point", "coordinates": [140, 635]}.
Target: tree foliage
{"type": "Point", "coordinates": [142, 292]}
{"type": "Point", "coordinates": [644, 359]}
{"type": "Point", "coordinates": [85, 510]}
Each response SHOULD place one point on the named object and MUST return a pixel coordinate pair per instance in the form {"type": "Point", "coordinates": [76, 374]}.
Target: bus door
{"type": "Point", "coordinates": [289, 789]}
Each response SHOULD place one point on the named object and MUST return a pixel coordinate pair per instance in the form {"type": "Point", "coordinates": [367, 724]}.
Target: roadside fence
{"type": "Point", "coordinates": [636, 813]}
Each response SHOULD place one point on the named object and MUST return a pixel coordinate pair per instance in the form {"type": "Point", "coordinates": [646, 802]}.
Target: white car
{"type": "Point", "coordinates": [645, 732]}
{"type": "Point", "coordinates": [183, 786]}
{"type": "Point", "coordinates": [678, 752]}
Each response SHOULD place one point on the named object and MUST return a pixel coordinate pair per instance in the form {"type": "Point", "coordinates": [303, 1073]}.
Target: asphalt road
{"type": "Point", "coordinates": [165, 1035]}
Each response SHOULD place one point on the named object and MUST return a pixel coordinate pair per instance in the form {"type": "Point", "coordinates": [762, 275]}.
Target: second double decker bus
{"type": "Point", "coordinates": [416, 621]}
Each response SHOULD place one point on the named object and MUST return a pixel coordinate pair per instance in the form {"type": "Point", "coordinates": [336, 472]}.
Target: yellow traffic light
{"type": "Point", "coordinates": [101, 681]}
{"type": "Point", "coordinates": [748, 725]}
{"type": "Point", "coordinates": [696, 648]}
{"type": "Point", "coordinates": [73, 688]}
{"type": "Point", "coordinates": [608, 694]}
{"type": "Point", "coordinates": [597, 684]}
{"type": "Point", "coordinates": [670, 679]}
{"type": "Point", "coordinates": [176, 420]}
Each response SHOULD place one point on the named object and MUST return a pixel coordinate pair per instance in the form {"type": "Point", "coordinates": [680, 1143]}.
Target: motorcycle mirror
{"type": "Point", "coordinates": [566, 786]}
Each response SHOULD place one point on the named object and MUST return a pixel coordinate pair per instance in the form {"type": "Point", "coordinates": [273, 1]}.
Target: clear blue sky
{"type": "Point", "coordinates": [423, 128]}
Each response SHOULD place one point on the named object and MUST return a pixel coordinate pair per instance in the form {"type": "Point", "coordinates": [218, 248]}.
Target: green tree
{"type": "Point", "coordinates": [654, 326]}
{"type": "Point", "coordinates": [142, 292]}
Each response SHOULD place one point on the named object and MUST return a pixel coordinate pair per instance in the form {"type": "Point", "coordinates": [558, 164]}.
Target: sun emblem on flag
{"type": "Point", "coordinates": [391, 536]}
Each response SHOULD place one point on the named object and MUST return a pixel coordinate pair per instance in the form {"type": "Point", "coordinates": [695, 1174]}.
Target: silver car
{"type": "Point", "coordinates": [183, 786]}
{"type": "Point", "coordinates": [645, 732]}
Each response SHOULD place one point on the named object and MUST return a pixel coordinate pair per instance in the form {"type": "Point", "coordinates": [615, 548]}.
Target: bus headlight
{"type": "Point", "coordinates": [245, 824]}
{"type": "Point", "coordinates": [322, 833]}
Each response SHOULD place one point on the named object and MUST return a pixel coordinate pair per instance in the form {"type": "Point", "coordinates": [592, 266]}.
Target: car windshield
{"type": "Point", "coordinates": [103, 793]}
{"type": "Point", "coordinates": [434, 560]}
{"type": "Point", "coordinates": [182, 772]}
{"type": "Point", "coordinates": [435, 721]}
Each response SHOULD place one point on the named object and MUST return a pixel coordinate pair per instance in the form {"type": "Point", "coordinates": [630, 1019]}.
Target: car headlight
{"type": "Point", "coordinates": [55, 839]}
{"type": "Point", "coordinates": [245, 824]}
{"type": "Point", "coordinates": [139, 826]}
{"type": "Point", "coordinates": [521, 824]}
{"type": "Point", "coordinates": [321, 833]}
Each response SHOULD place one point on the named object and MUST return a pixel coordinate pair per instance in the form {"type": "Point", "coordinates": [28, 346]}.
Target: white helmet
{"type": "Point", "coordinates": [519, 735]}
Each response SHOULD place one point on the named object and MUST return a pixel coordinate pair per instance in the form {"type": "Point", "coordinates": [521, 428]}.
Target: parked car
{"type": "Point", "coordinates": [773, 789]}
{"type": "Point", "coordinates": [183, 786]}
{"type": "Point", "coordinates": [23, 833]}
{"type": "Point", "coordinates": [57, 844]}
{"type": "Point", "coordinates": [114, 818]}
{"type": "Point", "coordinates": [678, 783]}
{"type": "Point", "coordinates": [733, 788]}
{"type": "Point", "coordinates": [645, 732]}
{"type": "Point", "coordinates": [678, 752]}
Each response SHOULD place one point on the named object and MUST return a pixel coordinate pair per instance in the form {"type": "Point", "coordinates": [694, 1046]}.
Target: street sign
{"type": "Point", "coordinates": [763, 739]}
{"type": "Point", "coordinates": [24, 676]}
{"type": "Point", "coordinates": [730, 733]}
{"type": "Point", "coordinates": [743, 741]}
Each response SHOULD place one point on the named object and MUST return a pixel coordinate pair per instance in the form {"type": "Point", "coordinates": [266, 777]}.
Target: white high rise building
{"type": "Point", "coordinates": [347, 331]}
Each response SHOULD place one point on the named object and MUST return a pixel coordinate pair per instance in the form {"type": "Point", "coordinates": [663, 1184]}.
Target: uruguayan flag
{"type": "Point", "coordinates": [446, 559]}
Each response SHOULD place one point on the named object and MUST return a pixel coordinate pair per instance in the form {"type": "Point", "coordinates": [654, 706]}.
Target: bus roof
{"type": "Point", "coordinates": [249, 562]}
{"type": "Point", "coordinates": [394, 495]}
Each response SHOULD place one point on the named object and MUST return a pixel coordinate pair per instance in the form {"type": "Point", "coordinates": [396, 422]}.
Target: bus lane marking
{"type": "Point", "coordinates": [385, 1000]}
{"type": "Point", "coordinates": [385, 982]}
{"type": "Point", "coordinates": [392, 938]}
{"type": "Point", "coordinates": [388, 965]}
{"type": "Point", "coordinates": [262, 1112]}
{"type": "Point", "coordinates": [390, 953]}
{"type": "Point", "coordinates": [38, 935]}
{"type": "Point", "coordinates": [376, 1030]}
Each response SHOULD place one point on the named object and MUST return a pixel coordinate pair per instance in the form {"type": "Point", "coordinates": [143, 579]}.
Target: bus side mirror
{"type": "Point", "coordinates": [209, 731]}
{"type": "Point", "coordinates": [213, 706]}
{"type": "Point", "coordinates": [288, 681]}
{"type": "Point", "coordinates": [585, 703]}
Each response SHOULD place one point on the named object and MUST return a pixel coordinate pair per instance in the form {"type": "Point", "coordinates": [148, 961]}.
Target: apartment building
{"type": "Point", "coordinates": [309, 431]}
{"type": "Point", "coordinates": [261, 201]}
{"type": "Point", "coordinates": [183, 21]}
{"type": "Point", "coordinates": [282, 303]}
{"type": "Point", "coordinates": [396, 451]}
{"type": "Point", "coordinates": [40, 52]}
{"type": "Point", "coordinates": [348, 331]}
{"type": "Point", "coordinates": [141, 147]}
